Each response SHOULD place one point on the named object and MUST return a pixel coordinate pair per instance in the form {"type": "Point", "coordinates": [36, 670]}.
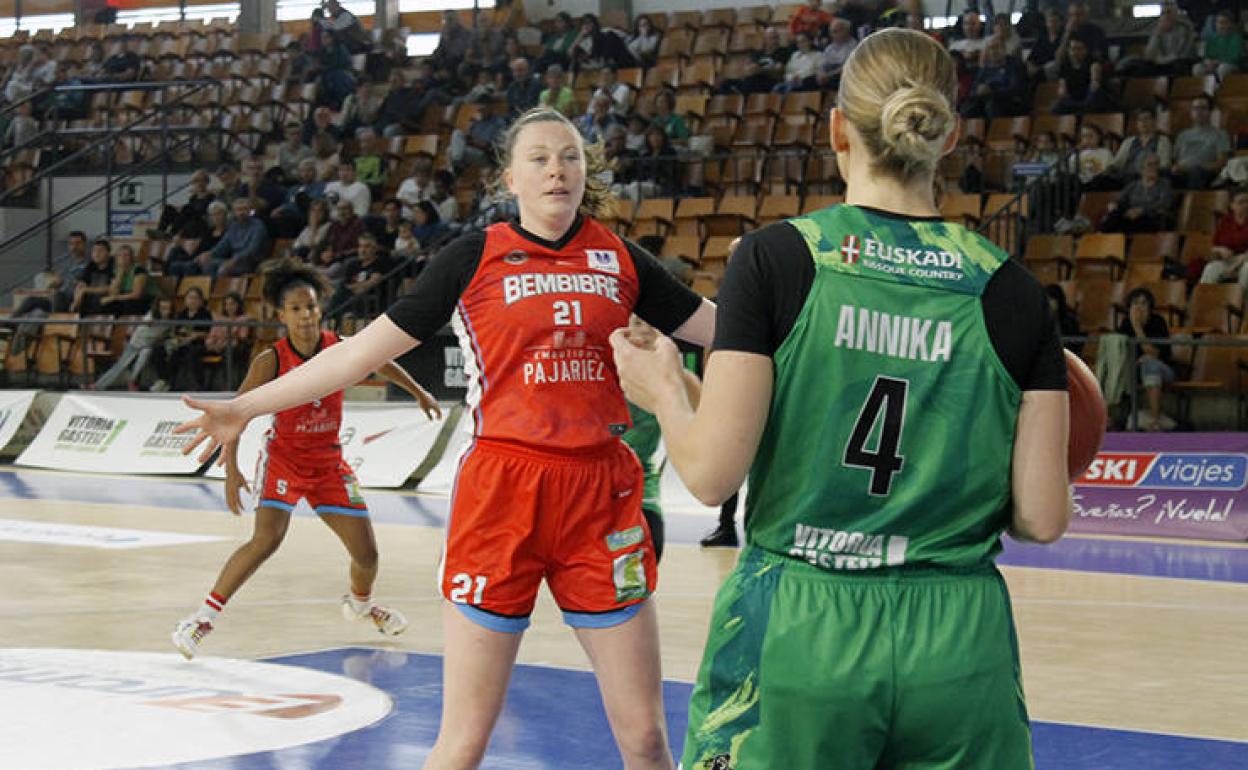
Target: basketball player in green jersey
{"type": "Point", "coordinates": [897, 385]}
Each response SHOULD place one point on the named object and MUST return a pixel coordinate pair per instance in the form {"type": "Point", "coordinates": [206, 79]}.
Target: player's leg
{"type": "Point", "coordinates": [356, 534]}
{"type": "Point", "coordinates": [476, 669]}
{"type": "Point", "coordinates": [626, 661]}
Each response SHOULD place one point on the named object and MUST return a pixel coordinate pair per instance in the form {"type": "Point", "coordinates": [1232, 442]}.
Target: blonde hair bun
{"type": "Point", "coordinates": [914, 123]}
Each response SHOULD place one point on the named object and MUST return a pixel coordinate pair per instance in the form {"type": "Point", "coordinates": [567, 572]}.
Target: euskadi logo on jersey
{"type": "Point", "coordinates": [603, 260]}
{"type": "Point", "coordinates": [850, 250]}
{"type": "Point", "coordinates": [1167, 470]}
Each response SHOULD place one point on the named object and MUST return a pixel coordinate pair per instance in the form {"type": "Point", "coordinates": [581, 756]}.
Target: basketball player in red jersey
{"type": "Point", "coordinates": [546, 489]}
{"type": "Point", "coordinates": [301, 459]}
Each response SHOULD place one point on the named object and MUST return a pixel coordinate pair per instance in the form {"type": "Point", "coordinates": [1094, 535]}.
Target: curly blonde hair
{"type": "Point", "coordinates": [598, 200]}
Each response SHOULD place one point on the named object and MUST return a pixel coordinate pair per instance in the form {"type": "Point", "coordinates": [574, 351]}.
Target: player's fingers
{"type": "Point", "coordinates": [194, 442]}
{"type": "Point", "coordinates": [205, 455]}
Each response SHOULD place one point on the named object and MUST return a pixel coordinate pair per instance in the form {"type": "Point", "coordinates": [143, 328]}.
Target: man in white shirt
{"type": "Point", "coordinates": [620, 94]}
{"type": "Point", "coordinates": [346, 188]}
{"type": "Point", "coordinates": [839, 48]}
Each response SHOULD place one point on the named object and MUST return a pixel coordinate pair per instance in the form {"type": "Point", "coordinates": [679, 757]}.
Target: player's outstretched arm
{"type": "Point", "coordinates": [399, 376]}
{"type": "Point", "coordinates": [699, 328]}
{"type": "Point", "coordinates": [263, 369]}
{"type": "Point", "coordinates": [1041, 488]}
{"type": "Point", "coordinates": [713, 446]}
{"type": "Point", "coordinates": [334, 368]}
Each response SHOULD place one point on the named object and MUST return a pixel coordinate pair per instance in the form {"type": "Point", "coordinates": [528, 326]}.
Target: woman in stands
{"type": "Point", "coordinates": [897, 386]}
{"type": "Point", "coordinates": [546, 488]}
{"type": "Point", "coordinates": [301, 460]}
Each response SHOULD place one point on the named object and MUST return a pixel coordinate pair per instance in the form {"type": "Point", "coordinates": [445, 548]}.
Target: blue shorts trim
{"type": "Point", "coordinates": [282, 505]}
{"type": "Point", "coordinates": [601, 619]}
{"type": "Point", "coordinates": [358, 512]}
{"type": "Point", "coordinates": [500, 623]}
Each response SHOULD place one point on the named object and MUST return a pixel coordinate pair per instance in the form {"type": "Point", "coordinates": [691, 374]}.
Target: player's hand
{"type": "Point", "coordinates": [221, 422]}
{"type": "Point", "coordinates": [429, 404]}
{"type": "Point", "coordinates": [234, 481]}
{"type": "Point", "coordinates": [647, 376]}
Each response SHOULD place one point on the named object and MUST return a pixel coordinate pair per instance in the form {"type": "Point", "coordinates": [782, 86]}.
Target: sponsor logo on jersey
{"type": "Point", "coordinates": [841, 550]}
{"type": "Point", "coordinates": [525, 285]}
{"type": "Point", "coordinates": [901, 260]}
{"type": "Point", "coordinates": [1167, 470]}
{"type": "Point", "coordinates": [850, 250]}
{"type": "Point", "coordinates": [603, 260]}
{"type": "Point", "coordinates": [516, 257]}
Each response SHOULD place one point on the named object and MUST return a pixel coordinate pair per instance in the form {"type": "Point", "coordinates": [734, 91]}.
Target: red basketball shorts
{"type": "Point", "coordinates": [281, 482]}
{"type": "Point", "coordinates": [518, 516]}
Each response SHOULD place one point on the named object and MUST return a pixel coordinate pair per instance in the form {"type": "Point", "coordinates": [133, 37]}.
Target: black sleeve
{"type": "Point", "coordinates": [763, 291]}
{"type": "Point", "coordinates": [429, 305]}
{"type": "Point", "coordinates": [662, 301]}
{"type": "Point", "coordinates": [1022, 328]}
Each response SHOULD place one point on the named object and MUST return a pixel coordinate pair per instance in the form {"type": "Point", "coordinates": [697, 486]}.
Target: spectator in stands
{"type": "Point", "coordinates": [487, 41]}
{"type": "Point", "coordinates": [143, 343]}
{"type": "Point", "coordinates": [419, 186]}
{"type": "Point", "coordinates": [557, 44]}
{"type": "Point", "coordinates": [232, 343]}
{"type": "Point", "coordinates": [184, 350]}
{"type": "Point", "coordinates": [1079, 27]}
{"type": "Point", "coordinates": [361, 108]}
{"type": "Point", "coordinates": [131, 291]}
{"type": "Point", "coordinates": [93, 68]}
{"type": "Point", "coordinates": [371, 167]}
{"type": "Point", "coordinates": [1146, 141]}
{"type": "Point", "coordinates": [399, 112]}
{"type": "Point", "coordinates": [557, 94]}
{"type": "Point", "coordinates": [765, 69]}
{"type": "Point", "coordinates": [598, 118]}
{"type": "Point", "coordinates": [1222, 51]}
{"type": "Point", "coordinates": [620, 96]}
{"type": "Point", "coordinates": [406, 245]}
{"type": "Point", "coordinates": [525, 88]}
{"type": "Point", "coordinates": [427, 225]}
{"type": "Point", "coordinates": [1042, 62]}
{"type": "Point", "coordinates": [125, 65]}
{"type": "Point", "coordinates": [666, 117]}
{"type": "Point", "coordinates": [1044, 149]}
{"type": "Point", "coordinates": [345, 27]}
{"type": "Point", "coordinates": [443, 198]}
{"type": "Point", "coordinates": [620, 164]}
{"type": "Point", "coordinates": [475, 146]}
{"type": "Point", "coordinates": [801, 72]}
{"type": "Point", "coordinates": [1003, 32]}
{"type": "Point", "coordinates": [1092, 161]}
{"type": "Point", "coordinates": [386, 229]}
{"type": "Point", "coordinates": [94, 280]}
{"type": "Point", "coordinates": [346, 188]}
{"type": "Point", "coordinates": [810, 19]}
{"type": "Point", "coordinates": [345, 229]}
{"type": "Point", "coordinates": [23, 128]}
{"type": "Point", "coordinates": [240, 251]}
{"type": "Point", "coordinates": [973, 38]}
{"type": "Point", "coordinates": [1201, 150]}
{"type": "Point", "coordinates": [60, 283]}
{"type": "Point", "coordinates": [841, 44]}
{"type": "Point", "coordinates": [21, 80]}
{"type": "Point", "coordinates": [362, 278]}
{"type": "Point", "coordinates": [1230, 245]}
{"type": "Point", "coordinates": [315, 232]}
{"type": "Point", "coordinates": [1000, 86]}
{"type": "Point", "coordinates": [293, 151]}
{"type": "Point", "coordinates": [257, 186]}
{"type": "Point", "coordinates": [657, 167]}
{"type": "Point", "coordinates": [337, 81]}
{"type": "Point", "coordinates": [454, 42]}
{"type": "Point", "coordinates": [635, 134]}
{"type": "Point", "coordinates": [1081, 85]}
{"type": "Point", "coordinates": [226, 185]}
{"type": "Point", "coordinates": [1171, 48]}
{"type": "Point", "coordinates": [1154, 361]}
{"type": "Point", "coordinates": [1067, 319]}
{"type": "Point", "coordinates": [595, 47]}
{"type": "Point", "coordinates": [289, 218]}
{"type": "Point", "coordinates": [326, 261]}
{"type": "Point", "coordinates": [644, 42]}
{"type": "Point", "coordinates": [1145, 204]}
{"type": "Point", "coordinates": [321, 134]}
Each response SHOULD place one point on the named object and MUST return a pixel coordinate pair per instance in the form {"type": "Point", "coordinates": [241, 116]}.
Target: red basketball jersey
{"type": "Point", "coordinates": [309, 432]}
{"type": "Point", "coordinates": [533, 323]}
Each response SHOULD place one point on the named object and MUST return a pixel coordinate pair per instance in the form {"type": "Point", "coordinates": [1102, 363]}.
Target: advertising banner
{"type": "Point", "coordinates": [384, 443]}
{"type": "Point", "coordinates": [112, 434]}
{"type": "Point", "coordinates": [13, 407]}
{"type": "Point", "coordinates": [1189, 485]}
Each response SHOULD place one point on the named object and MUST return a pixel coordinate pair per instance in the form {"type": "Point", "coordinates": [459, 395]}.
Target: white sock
{"type": "Point", "coordinates": [359, 604]}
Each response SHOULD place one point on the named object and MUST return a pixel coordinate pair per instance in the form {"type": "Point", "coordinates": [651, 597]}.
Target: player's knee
{"type": "Point", "coordinates": [643, 742]}
{"type": "Point", "coordinates": [268, 541]}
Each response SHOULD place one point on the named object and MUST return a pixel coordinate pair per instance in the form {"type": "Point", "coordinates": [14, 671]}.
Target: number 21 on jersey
{"type": "Point", "coordinates": [885, 406]}
{"type": "Point", "coordinates": [567, 313]}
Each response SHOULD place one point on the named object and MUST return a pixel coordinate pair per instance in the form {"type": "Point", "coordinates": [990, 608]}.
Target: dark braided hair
{"type": "Point", "coordinates": [291, 274]}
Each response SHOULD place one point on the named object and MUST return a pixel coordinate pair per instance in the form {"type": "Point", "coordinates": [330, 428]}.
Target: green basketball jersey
{"type": "Point", "coordinates": [892, 421]}
{"type": "Point", "coordinates": [643, 438]}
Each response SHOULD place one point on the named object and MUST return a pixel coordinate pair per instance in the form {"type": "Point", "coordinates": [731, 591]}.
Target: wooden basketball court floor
{"type": "Point", "coordinates": [1135, 652]}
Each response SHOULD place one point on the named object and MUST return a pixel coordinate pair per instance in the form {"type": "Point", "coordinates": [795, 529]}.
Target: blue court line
{"type": "Point", "coordinates": [1176, 559]}
{"type": "Point", "coordinates": [553, 718]}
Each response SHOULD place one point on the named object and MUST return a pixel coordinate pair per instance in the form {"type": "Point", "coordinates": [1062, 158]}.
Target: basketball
{"type": "Point", "coordinates": [1087, 415]}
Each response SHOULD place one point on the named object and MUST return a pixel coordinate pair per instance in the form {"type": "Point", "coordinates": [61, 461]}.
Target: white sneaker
{"type": "Point", "coordinates": [1166, 422]}
{"type": "Point", "coordinates": [388, 621]}
{"type": "Point", "coordinates": [159, 386]}
{"type": "Point", "coordinates": [189, 634]}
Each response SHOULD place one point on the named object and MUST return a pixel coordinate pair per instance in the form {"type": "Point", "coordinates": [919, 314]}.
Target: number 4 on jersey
{"type": "Point", "coordinates": [887, 400]}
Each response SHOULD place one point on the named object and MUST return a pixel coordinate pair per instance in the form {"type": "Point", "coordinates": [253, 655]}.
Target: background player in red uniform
{"type": "Point", "coordinates": [301, 459]}
{"type": "Point", "coordinates": [546, 489]}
